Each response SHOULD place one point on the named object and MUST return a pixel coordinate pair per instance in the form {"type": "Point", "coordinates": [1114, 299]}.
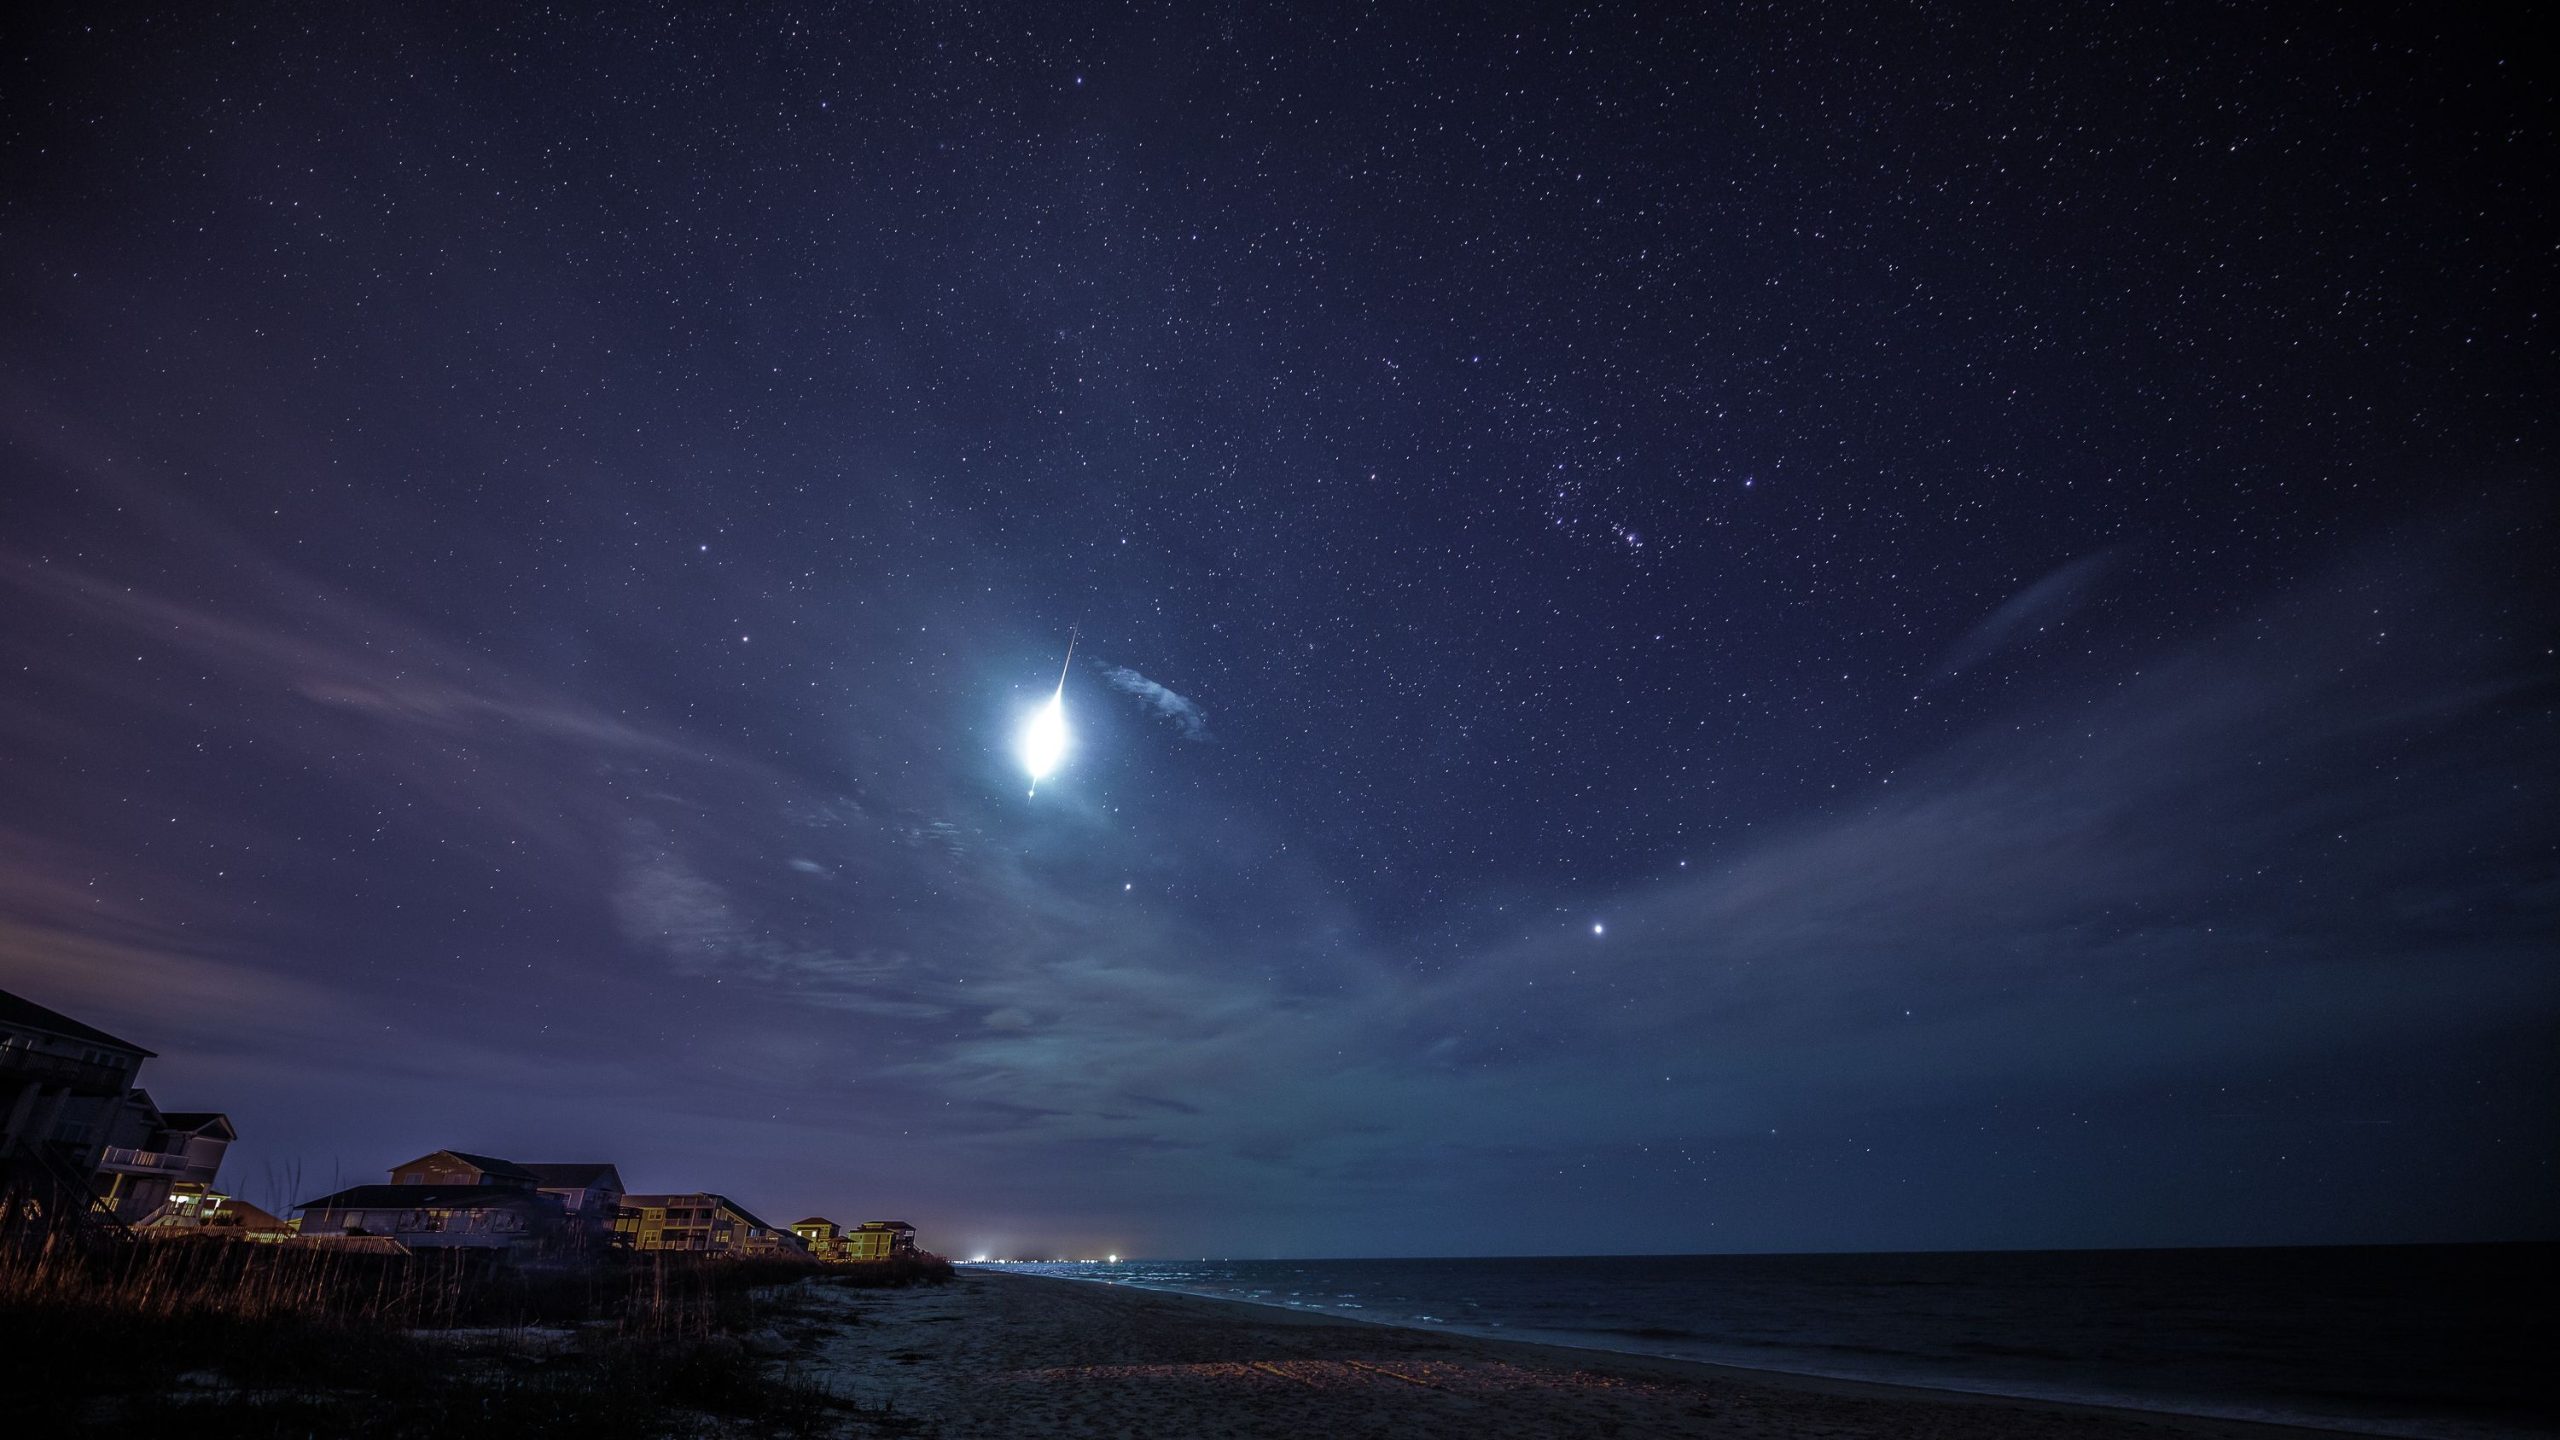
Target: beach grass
{"type": "Point", "coordinates": [227, 1338]}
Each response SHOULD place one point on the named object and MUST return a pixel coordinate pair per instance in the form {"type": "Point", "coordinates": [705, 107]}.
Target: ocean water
{"type": "Point", "coordinates": [2450, 1342]}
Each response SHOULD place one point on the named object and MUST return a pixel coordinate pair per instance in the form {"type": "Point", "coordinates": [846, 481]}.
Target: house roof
{"type": "Point", "coordinates": [420, 1197]}
{"type": "Point", "coordinates": [886, 1225]}
{"type": "Point", "coordinates": [812, 1220]}
{"type": "Point", "coordinates": [578, 1176]}
{"type": "Point", "coordinates": [19, 1010]}
{"type": "Point", "coordinates": [745, 1215]}
{"type": "Point", "coordinates": [198, 1122]}
{"type": "Point", "coordinates": [489, 1163]}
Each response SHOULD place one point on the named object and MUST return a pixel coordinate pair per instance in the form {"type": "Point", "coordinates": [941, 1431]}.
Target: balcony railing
{"type": "Point", "coordinates": [119, 1157]}
{"type": "Point", "coordinates": [82, 1077]}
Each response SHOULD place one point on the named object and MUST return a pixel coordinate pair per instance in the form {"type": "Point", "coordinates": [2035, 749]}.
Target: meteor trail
{"type": "Point", "coordinates": [1044, 740]}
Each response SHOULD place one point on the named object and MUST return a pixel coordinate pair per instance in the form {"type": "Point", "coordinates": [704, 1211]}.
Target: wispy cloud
{"type": "Point", "coordinates": [2160, 878]}
{"type": "Point", "coordinates": [2220, 854]}
{"type": "Point", "coordinates": [2229, 854]}
{"type": "Point", "coordinates": [1180, 709]}
{"type": "Point", "coordinates": [331, 651]}
{"type": "Point", "coordinates": [379, 704]}
{"type": "Point", "coordinates": [2046, 603]}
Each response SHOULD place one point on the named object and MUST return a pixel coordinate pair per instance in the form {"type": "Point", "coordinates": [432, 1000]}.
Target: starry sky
{"type": "Point", "coordinates": [1766, 627]}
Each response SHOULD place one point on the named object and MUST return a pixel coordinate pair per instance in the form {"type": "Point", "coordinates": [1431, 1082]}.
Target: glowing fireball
{"type": "Point", "coordinates": [1044, 739]}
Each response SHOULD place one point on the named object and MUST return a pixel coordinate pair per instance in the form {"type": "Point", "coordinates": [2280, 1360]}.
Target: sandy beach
{"type": "Point", "coordinates": [1002, 1355]}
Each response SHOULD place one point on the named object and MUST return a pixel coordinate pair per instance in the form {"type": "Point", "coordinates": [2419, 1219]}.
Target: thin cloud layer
{"type": "Point", "coordinates": [2048, 902]}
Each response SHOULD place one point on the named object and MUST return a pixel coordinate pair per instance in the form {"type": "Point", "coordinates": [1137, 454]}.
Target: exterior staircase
{"type": "Point", "coordinates": [43, 1194]}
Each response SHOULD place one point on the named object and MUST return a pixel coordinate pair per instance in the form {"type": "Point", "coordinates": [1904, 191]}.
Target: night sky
{"type": "Point", "coordinates": [1792, 627]}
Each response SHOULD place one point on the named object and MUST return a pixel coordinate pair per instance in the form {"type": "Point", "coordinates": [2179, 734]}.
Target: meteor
{"type": "Point", "coordinates": [1044, 739]}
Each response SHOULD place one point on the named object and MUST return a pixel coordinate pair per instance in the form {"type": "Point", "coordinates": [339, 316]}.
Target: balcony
{"type": "Point", "coordinates": [122, 1158]}
{"type": "Point", "coordinates": [22, 1066]}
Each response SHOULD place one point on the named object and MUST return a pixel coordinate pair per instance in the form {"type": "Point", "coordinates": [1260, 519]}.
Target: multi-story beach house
{"type": "Point", "coordinates": [703, 1222]}
{"type": "Point", "coordinates": [592, 1194]}
{"type": "Point", "coordinates": [79, 1141]}
{"type": "Point", "coordinates": [878, 1240]}
{"type": "Point", "coordinates": [62, 1084]}
{"type": "Point", "coordinates": [152, 1154]}
{"type": "Point", "coordinates": [461, 1198]}
{"type": "Point", "coordinates": [465, 1216]}
{"type": "Point", "coordinates": [870, 1240]}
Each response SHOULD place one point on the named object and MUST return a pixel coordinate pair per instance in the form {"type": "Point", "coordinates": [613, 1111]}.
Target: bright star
{"type": "Point", "coordinates": [1599, 929]}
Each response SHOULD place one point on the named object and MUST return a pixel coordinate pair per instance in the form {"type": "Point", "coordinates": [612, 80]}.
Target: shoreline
{"type": "Point", "coordinates": [1007, 1354]}
{"type": "Point", "coordinates": [1780, 1374]}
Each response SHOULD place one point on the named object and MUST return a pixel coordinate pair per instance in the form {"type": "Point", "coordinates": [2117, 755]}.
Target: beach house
{"type": "Point", "coordinates": [152, 1154]}
{"type": "Point", "coordinates": [61, 1083]}
{"type": "Point", "coordinates": [870, 1240]}
{"type": "Point", "coordinates": [195, 1210]}
{"type": "Point", "coordinates": [879, 1240]}
{"type": "Point", "coordinates": [80, 1140]}
{"type": "Point", "coordinates": [703, 1222]}
{"type": "Point", "coordinates": [591, 1192]}
{"type": "Point", "coordinates": [823, 1236]}
{"type": "Point", "coordinates": [464, 1198]}
{"type": "Point", "coordinates": [440, 1216]}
